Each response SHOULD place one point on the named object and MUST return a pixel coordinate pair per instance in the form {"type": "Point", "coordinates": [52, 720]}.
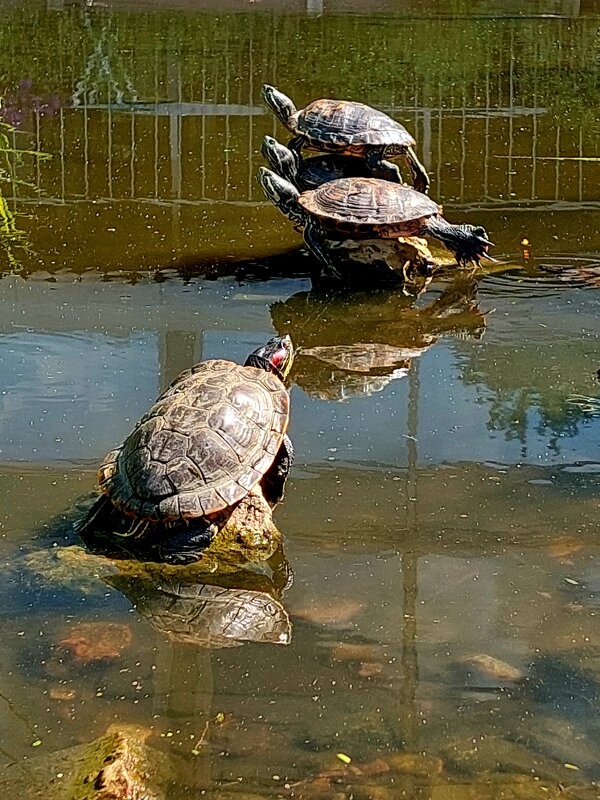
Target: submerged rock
{"type": "Point", "coordinates": [96, 641]}
{"type": "Point", "coordinates": [117, 766]}
{"type": "Point", "coordinates": [71, 567]}
{"type": "Point", "coordinates": [483, 669]}
{"type": "Point", "coordinates": [493, 754]}
{"type": "Point", "coordinates": [416, 764]}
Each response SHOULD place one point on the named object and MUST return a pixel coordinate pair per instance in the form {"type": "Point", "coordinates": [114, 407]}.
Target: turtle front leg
{"type": "Point", "coordinates": [419, 173]}
{"type": "Point", "coordinates": [380, 168]}
{"type": "Point", "coordinates": [313, 238]}
{"type": "Point", "coordinates": [295, 145]}
{"type": "Point", "coordinates": [273, 482]}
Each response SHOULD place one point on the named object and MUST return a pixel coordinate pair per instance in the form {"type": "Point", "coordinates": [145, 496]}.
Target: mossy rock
{"type": "Point", "coordinates": [117, 766]}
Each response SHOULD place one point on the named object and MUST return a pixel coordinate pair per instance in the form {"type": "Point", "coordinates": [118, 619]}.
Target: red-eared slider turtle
{"type": "Point", "coordinates": [309, 173]}
{"type": "Point", "coordinates": [351, 129]}
{"type": "Point", "coordinates": [214, 435]}
{"type": "Point", "coordinates": [367, 208]}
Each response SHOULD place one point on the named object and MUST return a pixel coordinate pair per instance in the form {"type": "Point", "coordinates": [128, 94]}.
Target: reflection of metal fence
{"type": "Point", "coordinates": [503, 8]}
{"type": "Point", "coordinates": [195, 137]}
{"type": "Point", "coordinates": [195, 153]}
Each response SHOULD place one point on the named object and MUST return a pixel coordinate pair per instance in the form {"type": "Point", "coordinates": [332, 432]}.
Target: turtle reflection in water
{"type": "Point", "coordinates": [228, 597]}
{"type": "Point", "coordinates": [210, 454]}
{"type": "Point", "coordinates": [367, 208]}
{"type": "Point", "coordinates": [355, 344]}
{"type": "Point", "coordinates": [209, 610]}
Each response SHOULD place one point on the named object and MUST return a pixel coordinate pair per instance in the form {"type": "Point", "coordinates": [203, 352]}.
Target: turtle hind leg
{"type": "Point", "coordinates": [97, 518]}
{"type": "Point", "coordinates": [380, 168]}
{"type": "Point", "coordinates": [313, 239]}
{"type": "Point", "coordinates": [273, 482]}
{"type": "Point", "coordinates": [185, 543]}
{"type": "Point", "coordinates": [419, 173]}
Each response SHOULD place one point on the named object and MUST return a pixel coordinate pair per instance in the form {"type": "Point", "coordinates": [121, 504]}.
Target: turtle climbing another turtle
{"type": "Point", "coordinates": [350, 129]}
{"type": "Point", "coordinates": [309, 173]}
{"type": "Point", "coordinates": [214, 440]}
{"type": "Point", "coordinates": [367, 208]}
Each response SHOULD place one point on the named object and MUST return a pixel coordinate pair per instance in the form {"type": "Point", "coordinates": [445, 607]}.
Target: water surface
{"type": "Point", "coordinates": [440, 519]}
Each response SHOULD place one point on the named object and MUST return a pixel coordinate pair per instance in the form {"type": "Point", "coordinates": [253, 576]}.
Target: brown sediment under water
{"type": "Point", "coordinates": [441, 519]}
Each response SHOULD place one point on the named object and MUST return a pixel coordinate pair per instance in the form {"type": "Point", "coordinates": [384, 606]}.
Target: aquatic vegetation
{"type": "Point", "coordinates": [14, 242]}
{"type": "Point", "coordinates": [18, 104]}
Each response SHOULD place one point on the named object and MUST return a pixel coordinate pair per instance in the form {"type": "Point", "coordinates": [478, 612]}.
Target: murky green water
{"type": "Point", "coordinates": [441, 518]}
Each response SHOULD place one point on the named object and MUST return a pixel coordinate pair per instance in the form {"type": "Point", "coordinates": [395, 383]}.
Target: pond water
{"type": "Point", "coordinates": [440, 521]}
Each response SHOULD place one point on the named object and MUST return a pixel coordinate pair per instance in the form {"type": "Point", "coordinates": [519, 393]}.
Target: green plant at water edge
{"type": "Point", "coordinates": [14, 242]}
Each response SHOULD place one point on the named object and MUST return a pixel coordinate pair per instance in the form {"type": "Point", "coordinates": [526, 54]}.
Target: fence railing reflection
{"type": "Point", "coordinates": [182, 153]}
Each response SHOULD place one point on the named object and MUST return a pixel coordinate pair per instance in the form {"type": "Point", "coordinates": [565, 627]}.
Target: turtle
{"type": "Point", "coordinates": [309, 173]}
{"type": "Point", "coordinates": [216, 435]}
{"type": "Point", "coordinates": [351, 129]}
{"type": "Point", "coordinates": [368, 208]}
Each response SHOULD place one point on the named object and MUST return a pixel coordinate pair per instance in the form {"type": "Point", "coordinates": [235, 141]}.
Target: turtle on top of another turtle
{"type": "Point", "coordinates": [310, 173]}
{"type": "Point", "coordinates": [351, 129]}
{"type": "Point", "coordinates": [211, 451]}
{"type": "Point", "coordinates": [367, 208]}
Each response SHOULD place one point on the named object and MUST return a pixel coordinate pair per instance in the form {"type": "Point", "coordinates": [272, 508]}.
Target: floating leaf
{"type": "Point", "coordinates": [343, 757]}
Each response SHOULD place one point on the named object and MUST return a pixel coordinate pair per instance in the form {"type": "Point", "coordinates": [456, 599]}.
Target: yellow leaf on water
{"type": "Point", "coordinates": [343, 757]}
{"type": "Point", "coordinates": [37, 743]}
{"type": "Point", "coordinates": [571, 766]}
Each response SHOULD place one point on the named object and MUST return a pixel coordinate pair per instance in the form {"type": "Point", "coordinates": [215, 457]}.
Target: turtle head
{"type": "Point", "coordinates": [279, 103]}
{"type": "Point", "coordinates": [281, 193]}
{"type": "Point", "coordinates": [275, 356]}
{"type": "Point", "coordinates": [281, 159]}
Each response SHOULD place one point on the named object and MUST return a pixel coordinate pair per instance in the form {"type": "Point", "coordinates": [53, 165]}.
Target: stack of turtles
{"type": "Point", "coordinates": [353, 194]}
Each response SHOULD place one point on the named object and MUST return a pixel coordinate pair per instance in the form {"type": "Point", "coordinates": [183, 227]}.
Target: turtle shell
{"type": "Point", "coordinates": [317, 170]}
{"type": "Point", "coordinates": [370, 206]}
{"type": "Point", "coordinates": [343, 123]}
{"type": "Point", "coordinates": [207, 440]}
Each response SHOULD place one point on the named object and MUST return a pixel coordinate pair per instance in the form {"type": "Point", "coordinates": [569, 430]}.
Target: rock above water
{"type": "Point", "coordinates": [116, 766]}
{"type": "Point", "coordinates": [401, 258]}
